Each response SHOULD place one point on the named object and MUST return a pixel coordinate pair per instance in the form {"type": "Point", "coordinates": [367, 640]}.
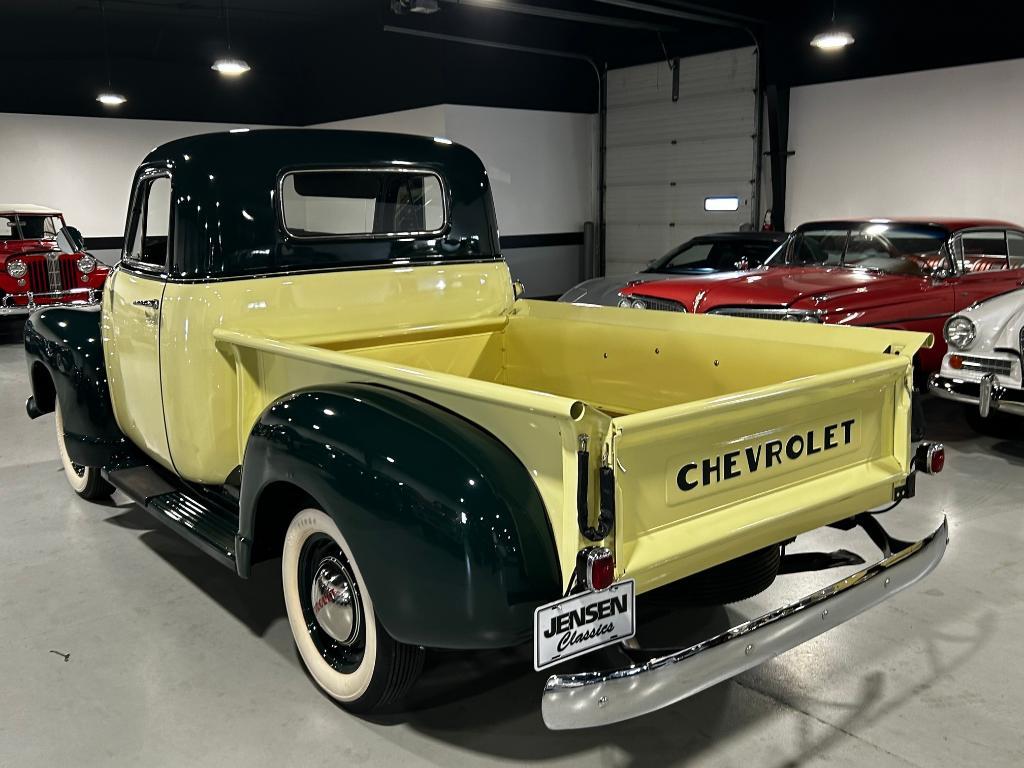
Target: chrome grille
{"type": "Point", "coordinates": [68, 272]}
{"type": "Point", "coordinates": [766, 313]}
{"type": "Point", "coordinates": [38, 282]}
{"type": "Point", "coordinates": [986, 364]}
{"type": "Point", "coordinates": [667, 305]}
{"type": "Point", "coordinates": [46, 276]}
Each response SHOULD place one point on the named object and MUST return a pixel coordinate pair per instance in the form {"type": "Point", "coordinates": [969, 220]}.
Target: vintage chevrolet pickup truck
{"type": "Point", "coordinates": [312, 349]}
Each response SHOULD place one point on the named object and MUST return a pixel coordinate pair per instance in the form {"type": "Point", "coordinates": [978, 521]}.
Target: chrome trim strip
{"type": "Point", "coordinates": [593, 699]}
{"type": "Point", "coordinates": [769, 313]}
{"type": "Point", "coordinates": [1002, 399]}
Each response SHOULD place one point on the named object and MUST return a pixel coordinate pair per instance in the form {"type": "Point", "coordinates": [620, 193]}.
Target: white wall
{"type": "Point", "coordinates": [82, 166]}
{"type": "Point", "coordinates": [542, 165]}
{"type": "Point", "coordinates": [946, 142]}
{"type": "Point", "coordinates": [425, 121]}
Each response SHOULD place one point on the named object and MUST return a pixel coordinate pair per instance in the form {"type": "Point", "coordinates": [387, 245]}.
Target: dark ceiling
{"type": "Point", "coordinates": [319, 60]}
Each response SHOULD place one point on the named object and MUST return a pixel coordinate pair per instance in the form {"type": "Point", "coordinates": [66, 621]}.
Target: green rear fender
{"type": "Point", "coordinates": [445, 522]}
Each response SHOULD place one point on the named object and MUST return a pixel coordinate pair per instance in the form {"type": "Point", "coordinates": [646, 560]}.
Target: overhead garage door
{"type": "Point", "coordinates": [664, 158]}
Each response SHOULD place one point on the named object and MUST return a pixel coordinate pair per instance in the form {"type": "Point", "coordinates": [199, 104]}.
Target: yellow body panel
{"type": "Point", "coordinates": [131, 354]}
{"type": "Point", "coordinates": [649, 388]}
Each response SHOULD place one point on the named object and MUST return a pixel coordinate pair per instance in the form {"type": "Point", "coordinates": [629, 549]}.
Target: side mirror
{"type": "Point", "coordinates": [518, 289]}
{"type": "Point", "coordinates": [70, 240]}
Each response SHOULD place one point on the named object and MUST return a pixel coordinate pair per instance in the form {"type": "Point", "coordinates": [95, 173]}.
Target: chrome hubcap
{"type": "Point", "coordinates": [335, 601]}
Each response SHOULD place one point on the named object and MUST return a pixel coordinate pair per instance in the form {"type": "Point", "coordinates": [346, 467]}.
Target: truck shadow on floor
{"type": "Point", "coordinates": [488, 703]}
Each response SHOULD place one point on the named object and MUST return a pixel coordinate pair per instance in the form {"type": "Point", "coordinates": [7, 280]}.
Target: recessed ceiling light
{"type": "Point", "coordinates": [238, 130]}
{"type": "Point", "coordinates": [832, 40]}
{"type": "Point", "coordinates": [230, 67]}
{"type": "Point", "coordinates": [111, 99]}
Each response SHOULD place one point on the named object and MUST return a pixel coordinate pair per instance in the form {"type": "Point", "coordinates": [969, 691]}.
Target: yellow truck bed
{"type": "Point", "coordinates": [720, 443]}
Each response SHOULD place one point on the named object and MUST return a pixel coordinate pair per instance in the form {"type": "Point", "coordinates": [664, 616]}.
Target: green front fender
{"type": "Point", "coordinates": [445, 522]}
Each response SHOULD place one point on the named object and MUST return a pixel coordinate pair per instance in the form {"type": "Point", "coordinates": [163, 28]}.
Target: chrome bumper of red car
{"type": "Point", "coordinates": [590, 699]}
{"type": "Point", "coordinates": [75, 297]}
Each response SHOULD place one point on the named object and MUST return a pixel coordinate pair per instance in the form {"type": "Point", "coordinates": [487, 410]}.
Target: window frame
{"type": "Point", "coordinates": [144, 181]}
{"type": "Point", "coordinates": [958, 249]}
{"type": "Point", "coordinates": [289, 235]}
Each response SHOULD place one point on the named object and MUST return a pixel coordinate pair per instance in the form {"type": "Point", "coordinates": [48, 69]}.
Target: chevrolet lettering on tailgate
{"type": "Point", "coordinates": [767, 454]}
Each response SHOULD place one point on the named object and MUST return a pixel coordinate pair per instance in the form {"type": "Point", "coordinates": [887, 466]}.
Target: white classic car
{"type": "Point", "coordinates": [986, 356]}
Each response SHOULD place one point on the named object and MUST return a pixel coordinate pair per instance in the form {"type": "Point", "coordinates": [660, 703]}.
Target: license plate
{"type": "Point", "coordinates": [578, 624]}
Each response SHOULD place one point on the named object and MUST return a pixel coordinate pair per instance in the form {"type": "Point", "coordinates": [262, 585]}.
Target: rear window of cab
{"type": "Point", "coordinates": [345, 203]}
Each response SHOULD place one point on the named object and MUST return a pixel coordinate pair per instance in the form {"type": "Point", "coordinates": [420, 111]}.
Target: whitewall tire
{"type": "Point", "coordinates": [87, 482]}
{"type": "Point", "coordinates": [342, 644]}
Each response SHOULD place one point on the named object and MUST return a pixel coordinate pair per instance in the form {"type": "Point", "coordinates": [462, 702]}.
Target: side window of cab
{"type": "Point", "coordinates": [149, 230]}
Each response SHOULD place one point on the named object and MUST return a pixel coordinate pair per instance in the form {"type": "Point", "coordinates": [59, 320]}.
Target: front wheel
{"type": "Point", "coordinates": [87, 482]}
{"type": "Point", "coordinates": [343, 645]}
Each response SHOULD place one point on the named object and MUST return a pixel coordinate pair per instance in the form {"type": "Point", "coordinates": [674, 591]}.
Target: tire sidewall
{"type": "Point", "coordinates": [347, 688]}
{"type": "Point", "coordinates": [78, 483]}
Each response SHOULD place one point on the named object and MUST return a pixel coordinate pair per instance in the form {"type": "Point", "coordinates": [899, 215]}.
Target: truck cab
{"type": "Point", "coordinates": [312, 349]}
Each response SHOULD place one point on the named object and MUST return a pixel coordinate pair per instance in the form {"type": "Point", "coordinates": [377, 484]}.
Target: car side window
{"type": "Point", "coordinates": [983, 251]}
{"type": "Point", "coordinates": [150, 224]}
{"type": "Point", "coordinates": [1015, 249]}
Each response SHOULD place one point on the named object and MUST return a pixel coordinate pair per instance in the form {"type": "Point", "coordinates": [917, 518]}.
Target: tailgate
{"type": "Point", "coordinates": [702, 483]}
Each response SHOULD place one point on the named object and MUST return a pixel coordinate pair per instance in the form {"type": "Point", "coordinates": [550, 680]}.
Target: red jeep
{"type": "Point", "coordinates": [34, 272]}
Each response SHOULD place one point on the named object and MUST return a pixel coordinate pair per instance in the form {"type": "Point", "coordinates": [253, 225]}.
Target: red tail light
{"type": "Point", "coordinates": [931, 457]}
{"type": "Point", "coordinates": [598, 567]}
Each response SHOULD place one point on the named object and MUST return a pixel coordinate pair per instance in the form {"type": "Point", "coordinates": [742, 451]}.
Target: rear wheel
{"type": "Point", "coordinates": [87, 482]}
{"type": "Point", "coordinates": [343, 645]}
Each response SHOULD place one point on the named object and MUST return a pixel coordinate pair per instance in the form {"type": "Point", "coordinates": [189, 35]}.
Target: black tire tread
{"type": "Point", "coordinates": [97, 488]}
{"type": "Point", "coordinates": [728, 582]}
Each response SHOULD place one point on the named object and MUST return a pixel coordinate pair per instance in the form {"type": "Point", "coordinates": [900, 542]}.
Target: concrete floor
{"type": "Point", "coordinates": [174, 661]}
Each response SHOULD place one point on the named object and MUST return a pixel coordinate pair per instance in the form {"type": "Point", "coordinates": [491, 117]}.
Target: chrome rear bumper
{"type": "Point", "coordinates": [74, 297]}
{"type": "Point", "coordinates": [987, 394]}
{"type": "Point", "coordinates": [592, 699]}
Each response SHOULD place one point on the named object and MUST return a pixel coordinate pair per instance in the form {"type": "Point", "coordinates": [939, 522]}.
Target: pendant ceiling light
{"type": "Point", "coordinates": [229, 66]}
{"type": "Point", "coordinates": [834, 38]}
{"type": "Point", "coordinates": [109, 97]}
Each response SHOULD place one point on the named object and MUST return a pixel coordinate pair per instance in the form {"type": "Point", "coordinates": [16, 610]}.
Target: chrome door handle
{"type": "Point", "coordinates": [147, 303]}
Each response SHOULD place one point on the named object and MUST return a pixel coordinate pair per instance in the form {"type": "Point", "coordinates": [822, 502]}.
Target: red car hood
{"type": "Point", "coordinates": [10, 248]}
{"type": "Point", "coordinates": [829, 288]}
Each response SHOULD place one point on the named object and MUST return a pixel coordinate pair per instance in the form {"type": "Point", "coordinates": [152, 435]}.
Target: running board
{"type": "Point", "coordinates": [209, 526]}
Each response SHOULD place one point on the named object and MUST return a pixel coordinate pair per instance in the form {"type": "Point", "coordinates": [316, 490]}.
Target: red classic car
{"type": "Point", "coordinates": [33, 270]}
{"type": "Point", "coordinates": [910, 274]}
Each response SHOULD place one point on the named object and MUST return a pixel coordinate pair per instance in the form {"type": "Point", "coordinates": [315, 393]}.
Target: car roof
{"type": "Point", "coordinates": [27, 208]}
{"type": "Point", "coordinates": [950, 224]}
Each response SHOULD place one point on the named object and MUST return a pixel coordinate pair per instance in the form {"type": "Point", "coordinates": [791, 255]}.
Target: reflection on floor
{"type": "Point", "coordinates": [173, 661]}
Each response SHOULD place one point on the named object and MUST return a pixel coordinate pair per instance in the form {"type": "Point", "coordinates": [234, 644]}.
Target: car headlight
{"type": "Point", "coordinates": [960, 332]}
{"type": "Point", "coordinates": [629, 301]}
{"type": "Point", "coordinates": [86, 264]}
{"type": "Point", "coordinates": [17, 268]}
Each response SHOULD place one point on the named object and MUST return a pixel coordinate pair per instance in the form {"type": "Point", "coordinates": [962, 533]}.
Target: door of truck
{"type": "Point", "coordinates": [132, 324]}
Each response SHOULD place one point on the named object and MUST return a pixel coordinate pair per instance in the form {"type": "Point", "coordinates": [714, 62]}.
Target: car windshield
{"type": "Point", "coordinates": [881, 247]}
{"type": "Point", "coordinates": [22, 226]}
{"type": "Point", "coordinates": [709, 255]}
